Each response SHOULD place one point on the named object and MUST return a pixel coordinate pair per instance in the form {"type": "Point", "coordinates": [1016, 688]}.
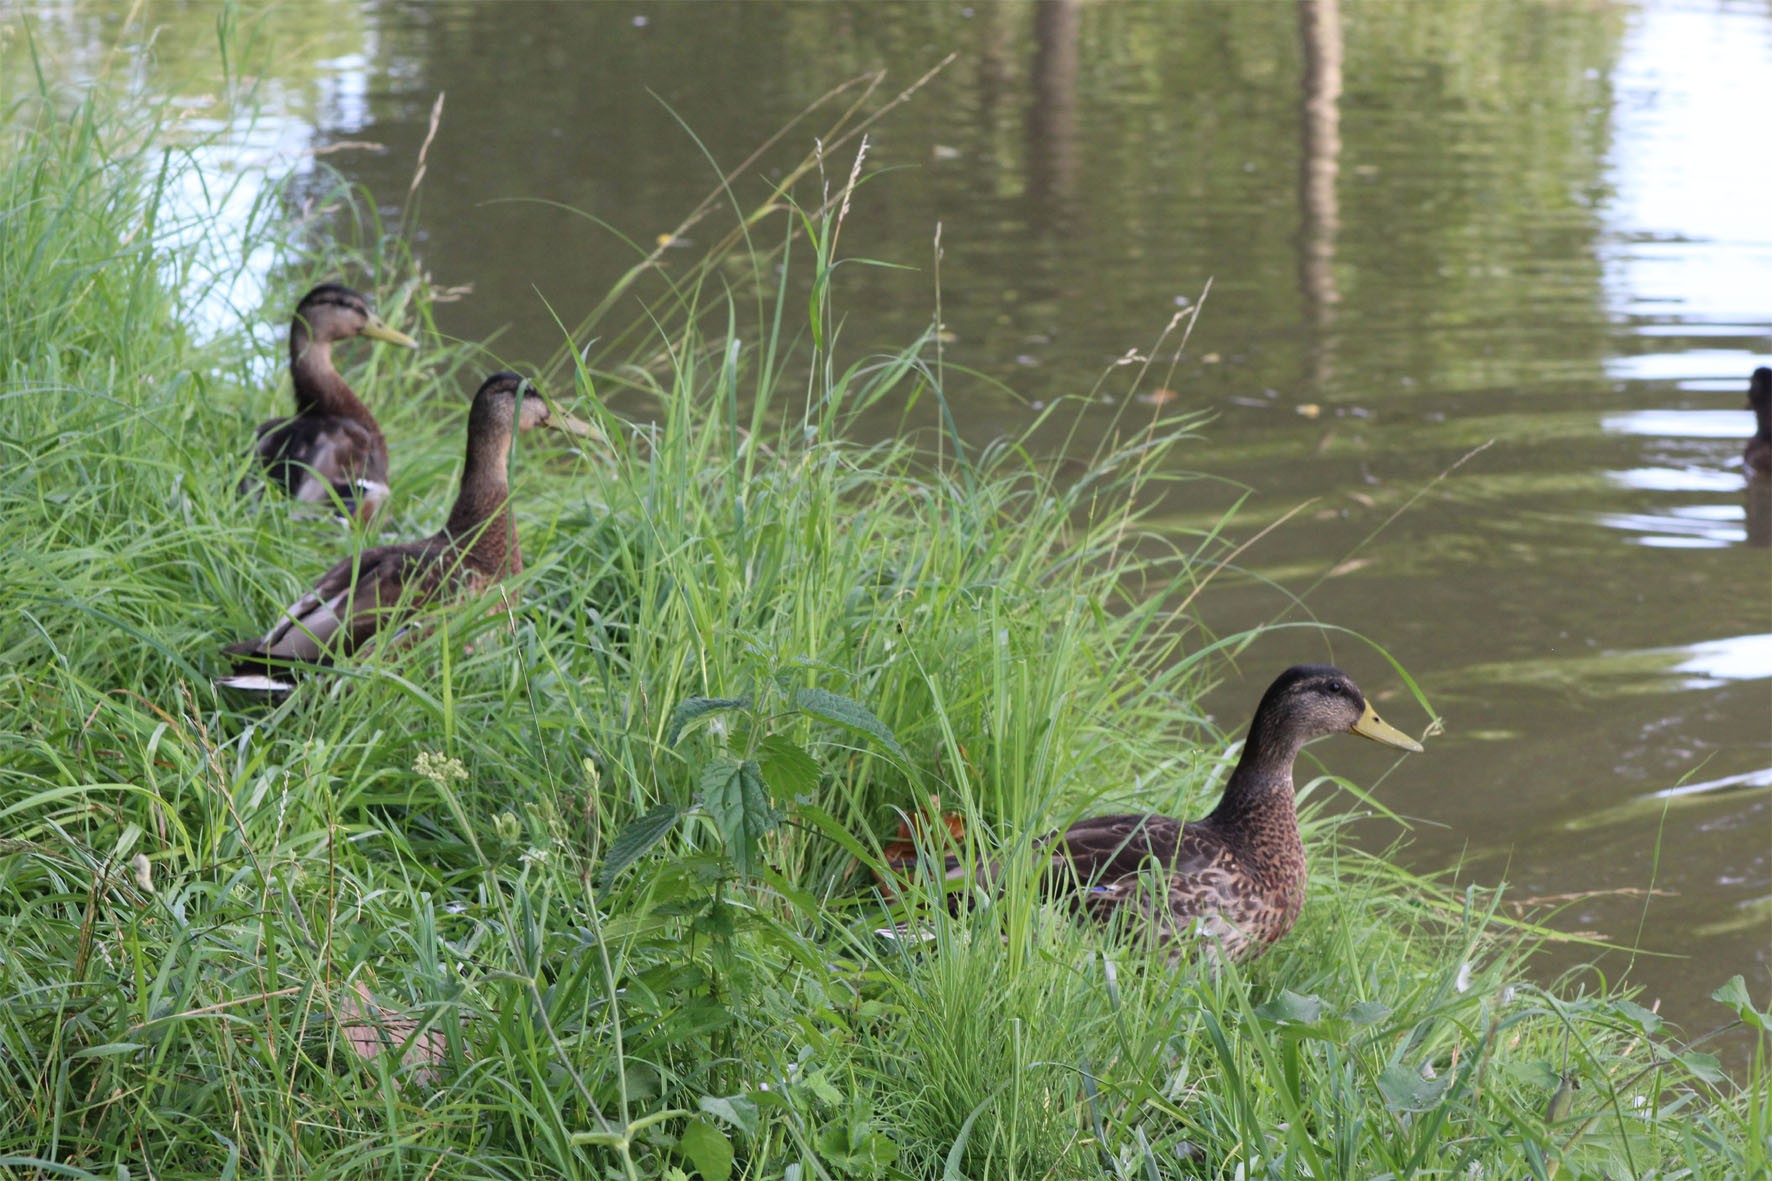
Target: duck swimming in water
{"type": "Point", "coordinates": [1758, 454]}
{"type": "Point", "coordinates": [331, 450]}
{"type": "Point", "coordinates": [364, 593]}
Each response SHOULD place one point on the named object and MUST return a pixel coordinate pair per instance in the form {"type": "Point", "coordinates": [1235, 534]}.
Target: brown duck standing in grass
{"type": "Point", "coordinates": [331, 451]}
{"type": "Point", "coordinates": [362, 594]}
{"type": "Point", "coordinates": [1758, 455]}
{"type": "Point", "coordinates": [1234, 880]}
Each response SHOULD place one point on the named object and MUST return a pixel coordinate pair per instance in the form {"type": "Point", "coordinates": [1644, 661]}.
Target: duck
{"type": "Point", "coordinates": [331, 451]}
{"type": "Point", "coordinates": [368, 593]}
{"type": "Point", "coordinates": [1232, 883]}
{"type": "Point", "coordinates": [1758, 455]}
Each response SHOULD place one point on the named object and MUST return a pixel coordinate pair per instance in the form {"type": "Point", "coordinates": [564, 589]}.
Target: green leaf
{"type": "Point", "coordinates": [1562, 1099]}
{"type": "Point", "coordinates": [879, 1148]}
{"type": "Point", "coordinates": [1735, 995]}
{"type": "Point", "coordinates": [707, 1148]}
{"type": "Point", "coordinates": [824, 822]}
{"type": "Point", "coordinates": [637, 839]}
{"type": "Point", "coordinates": [697, 1018]}
{"type": "Point", "coordinates": [738, 1110]}
{"type": "Point", "coordinates": [1643, 1019]}
{"type": "Point", "coordinates": [737, 800]}
{"type": "Point", "coordinates": [1405, 1090]}
{"type": "Point", "coordinates": [716, 922]}
{"type": "Point", "coordinates": [1702, 1065]}
{"type": "Point", "coordinates": [1368, 1013]}
{"type": "Point", "coordinates": [846, 712]}
{"type": "Point", "coordinates": [788, 769]}
{"type": "Point", "coordinates": [1302, 1017]}
{"type": "Point", "coordinates": [696, 708]}
{"type": "Point", "coordinates": [833, 1144]}
{"type": "Point", "coordinates": [1291, 1009]}
{"type": "Point", "coordinates": [640, 1081]}
{"type": "Point", "coordinates": [822, 1087]}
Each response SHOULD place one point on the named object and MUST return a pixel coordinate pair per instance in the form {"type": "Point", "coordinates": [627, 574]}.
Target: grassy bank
{"type": "Point", "coordinates": [574, 890]}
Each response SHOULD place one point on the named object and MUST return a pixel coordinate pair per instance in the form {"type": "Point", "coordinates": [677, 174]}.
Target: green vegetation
{"type": "Point", "coordinates": [595, 861]}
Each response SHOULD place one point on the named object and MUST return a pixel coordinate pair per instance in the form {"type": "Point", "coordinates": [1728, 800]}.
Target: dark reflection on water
{"type": "Point", "coordinates": [1426, 228]}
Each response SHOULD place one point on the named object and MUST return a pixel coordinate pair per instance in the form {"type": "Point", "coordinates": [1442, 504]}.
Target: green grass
{"type": "Point", "coordinates": [603, 849]}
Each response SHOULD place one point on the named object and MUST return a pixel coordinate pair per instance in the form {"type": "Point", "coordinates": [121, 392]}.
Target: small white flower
{"type": "Point", "coordinates": [439, 768]}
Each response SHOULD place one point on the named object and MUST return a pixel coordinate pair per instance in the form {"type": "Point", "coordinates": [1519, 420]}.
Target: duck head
{"type": "Point", "coordinates": [332, 312]}
{"type": "Point", "coordinates": [508, 402]}
{"type": "Point", "coordinates": [1310, 700]}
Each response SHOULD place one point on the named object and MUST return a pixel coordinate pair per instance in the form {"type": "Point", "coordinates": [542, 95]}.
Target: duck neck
{"type": "Point", "coordinates": [480, 524]}
{"type": "Point", "coordinates": [319, 389]}
{"type": "Point", "coordinates": [1261, 786]}
{"type": "Point", "coordinates": [1763, 421]}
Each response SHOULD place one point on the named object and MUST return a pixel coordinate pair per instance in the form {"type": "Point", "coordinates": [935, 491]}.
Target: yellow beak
{"type": "Point", "coordinates": [540, 410]}
{"type": "Point", "coordinates": [377, 329]}
{"type": "Point", "coordinates": [1377, 729]}
{"type": "Point", "coordinates": [572, 426]}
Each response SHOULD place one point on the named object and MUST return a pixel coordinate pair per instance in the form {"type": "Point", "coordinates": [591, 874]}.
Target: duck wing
{"type": "Point", "coordinates": [1104, 848]}
{"type": "Point", "coordinates": [350, 603]}
{"type": "Point", "coordinates": [1203, 897]}
{"type": "Point", "coordinates": [315, 457]}
{"type": "Point", "coordinates": [1099, 859]}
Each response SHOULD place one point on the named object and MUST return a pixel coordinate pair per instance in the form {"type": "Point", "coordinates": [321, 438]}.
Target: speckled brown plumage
{"type": "Point", "coordinates": [361, 595]}
{"type": "Point", "coordinates": [331, 447]}
{"type": "Point", "coordinates": [1758, 454]}
{"type": "Point", "coordinates": [1235, 879]}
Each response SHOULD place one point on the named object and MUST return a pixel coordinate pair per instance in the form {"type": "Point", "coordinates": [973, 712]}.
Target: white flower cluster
{"type": "Point", "coordinates": [439, 768]}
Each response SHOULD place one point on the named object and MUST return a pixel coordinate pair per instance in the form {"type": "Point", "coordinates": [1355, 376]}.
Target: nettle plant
{"type": "Point", "coordinates": [692, 972]}
{"type": "Point", "coordinates": [746, 768]}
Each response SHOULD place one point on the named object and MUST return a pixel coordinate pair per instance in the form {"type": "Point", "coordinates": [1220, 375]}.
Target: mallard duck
{"type": "Point", "coordinates": [363, 593]}
{"type": "Point", "coordinates": [332, 447]}
{"type": "Point", "coordinates": [1236, 878]}
{"type": "Point", "coordinates": [1758, 455]}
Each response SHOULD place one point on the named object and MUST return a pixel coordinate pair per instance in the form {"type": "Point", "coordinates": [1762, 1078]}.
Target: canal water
{"type": "Point", "coordinates": [1477, 284]}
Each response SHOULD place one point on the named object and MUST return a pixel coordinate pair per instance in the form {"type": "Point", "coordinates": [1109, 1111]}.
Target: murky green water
{"type": "Point", "coordinates": [1487, 281]}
